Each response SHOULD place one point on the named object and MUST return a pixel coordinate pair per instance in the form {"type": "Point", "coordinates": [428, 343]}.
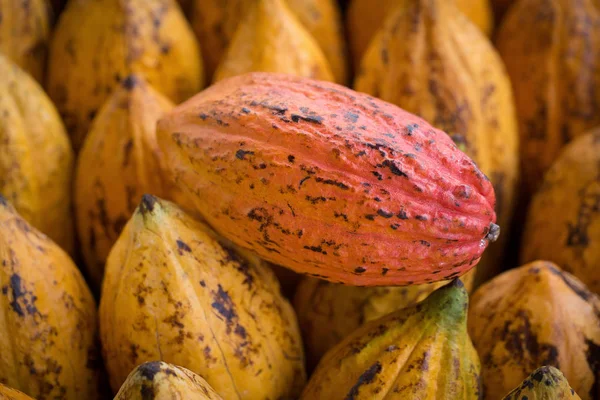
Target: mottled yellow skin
{"type": "Point", "coordinates": [48, 325]}
{"type": "Point", "coordinates": [421, 352]}
{"type": "Point", "coordinates": [119, 162]}
{"type": "Point", "coordinates": [328, 312]}
{"type": "Point", "coordinates": [7, 393]}
{"type": "Point", "coordinates": [269, 38]}
{"type": "Point", "coordinates": [563, 223]}
{"type": "Point", "coordinates": [366, 17]}
{"type": "Point", "coordinates": [215, 23]}
{"type": "Point", "coordinates": [429, 60]}
{"type": "Point", "coordinates": [545, 383]}
{"type": "Point", "coordinates": [98, 43]}
{"type": "Point", "coordinates": [551, 49]}
{"type": "Point", "coordinates": [36, 160]}
{"type": "Point", "coordinates": [24, 34]}
{"type": "Point", "coordinates": [536, 315]}
{"type": "Point", "coordinates": [171, 292]}
{"type": "Point", "coordinates": [158, 380]}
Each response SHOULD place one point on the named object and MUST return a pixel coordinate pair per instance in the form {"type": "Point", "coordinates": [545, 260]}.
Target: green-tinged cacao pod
{"type": "Point", "coordinates": [545, 383]}
{"type": "Point", "coordinates": [48, 338]}
{"type": "Point", "coordinates": [36, 160]}
{"type": "Point", "coordinates": [431, 61]}
{"type": "Point", "coordinates": [329, 182]}
{"type": "Point", "coordinates": [157, 380]}
{"type": "Point", "coordinates": [328, 312]}
{"type": "Point", "coordinates": [269, 38]}
{"type": "Point", "coordinates": [118, 163]}
{"type": "Point", "coordinates": [536, 315]}
{"type": "Point", "coordinates": [97, 44]}
{"type": "Point", "coordinates": [551, 49]}
{"type": "Point", "coordinates": [420, 352]}
{"type": "Point", "coordinates": [24, 34]}
{"type": "Point", "coordinates": [563, 222]}
{"type": "Point", "coordinates": [366, 17]}
{"type": "Point", "coordinates": [173, 292]}
{"type": "Point", "coordinates": [216, 21]}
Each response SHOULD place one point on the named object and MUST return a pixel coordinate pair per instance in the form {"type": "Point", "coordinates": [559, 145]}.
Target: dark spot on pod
{"type": "Point", "coordinates": [426, 243]}
{"type": "Point", "coordinates": [302, 181]}
{"type": "Point", "coordinates": [182, 246]}
{"type": "Point", "coordinates": [333, 182]}
{"type": "Point", "coordinates": [203, 116]}
{"type": "Point", "coordinates": [377, 175]}
{"type": "Point", "coordinates": [315, 119]}
{"type": "Point", "coordinates": [92, 115]}
{"type": "Point", "coordinates": [394, 226]}
{"type": "Point", "coordinates": [241, 154]}
{"type": "Point", "coordinates": [202, 283]}
{"type": "Point", "coordinates": [493, 233]}
{"type": "Point", "coordinates": [3, 201]}
{"type": "Point", "coordinates": [245, 110]}
{"type": "Point", "coordinates": [316, 249]}
{"type": "Point", "coordinates": [240, 331]}
{"type": "Point", "coordinates": [149, 370]}
{"type": "Point", "coordinates": [394, 168]}
{"type": "Point", "coordinates": [147, 204]}
{"type": "Point", "coordinates": [147, 392]}
{"type": "Point", "coordinates": [421, 218]}
{"type": "Point", "coordinates": [351, 117]}
{"type": "Point", "coordinates": [359, 270]}
{"type": "Point", "coordinates": [384, 271]}
{"type": "Point", "coordinates": [402, 215]}
{"type": "Point", "coordinates": [364, 379]}
{"type": "Point", "coordinates": [385, 214]}
{"type": "Point", "coordinates": [223, 304]}
{"type": "Point", "coordinates": [411, 128]}
{"type": "Point", "coordinates": [291, 158]}
{"type": "Point", "coordinates": [130, 82]}
{"type": "Point", "coordinates": [370, 217]}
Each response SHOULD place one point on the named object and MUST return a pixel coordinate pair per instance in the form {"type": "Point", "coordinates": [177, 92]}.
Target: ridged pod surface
{"type": "Point", "coordinates": [118, 163]}
{"type": "Point", "coordinates": [330, 182]}
{"type": "Point", "coordinates": [429, 60]}
{"type": "Point", "coordinates": [24, 34]}
{"type": "Point", "coordinates": [366, 17]}
{"type": "Point", "coordinates": [551, 49]}
{"type": "Point", "coordinates": [563, 222]}
{"type": "Point", "coordinates": [328, 312]}
{"type": "Point", "coordinates": [216, 21]}
{"type": "Point", "coordinates": [269, 38]}
{"type": "Point", "coordinates": [48, 325]}
{"type": "Point", "coordinates": [420, 352]}
{"type": "Point", "coordinates": [98, 43]}
{"type": "Point", "coordinates": [157, 380]}
{"type": "Point", "coordinates": [36, 160]}
{"type": "Point", "coordinates": [172, 292]}
{"type": "Point", "coordinates": [545, 383]}
{"type": "Point", "coordinates": [7, 393]}
{"type": "Point", "coordinates": [536, 315]}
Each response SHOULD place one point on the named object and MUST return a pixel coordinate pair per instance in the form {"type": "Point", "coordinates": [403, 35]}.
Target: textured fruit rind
{"type": "Point", "coordinates": [545, 383]}
{"type": "Point", "coordinates": [536, 315]}
{"type": "Point", "coordinates": [330, 182]}
{"type": "Point", "coordinates": [96, 44]}
{"type": "Point", "coordinates": [172, 292]}
{"type": "Point", "coordinates": [270, 38]}
{"type": "Point", "coordinates": [7, 393]}
{"type": "Point", "coordinates": [157, 380]}
{"type": "Point", "coordinates": [48, 337]}
{"type": "Point", "coordinates": [420, 352]}
{"type": "Point", "coordinates": [36, 160]}
{"type": "Point", "coordinates": [328, 312]}
{"type": "Point", "coordinates": [563, 222]}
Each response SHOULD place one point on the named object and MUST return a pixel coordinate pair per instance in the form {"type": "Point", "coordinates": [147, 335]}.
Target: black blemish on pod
{"type": "Point", "coordinates": [149, 370]}
{"type": "Point", "coordinates": [315, 119]}
{"type": "Point", "coordinates": [493, 233]}
{"type": "Point", "coordinates": [241, 154]}
{"type": "Point", "coordinates": [359, 270]}
{"type": "Point", "coordinates": [3, 201]}
{"type": "Point", "coordinates": [182, 246]}
{"type": "Point", "coordinates": [366, 377]}
{"type": "Point", "coordinates": [130, 82]}
{"type": "Point", "coordinates": [147, 204]}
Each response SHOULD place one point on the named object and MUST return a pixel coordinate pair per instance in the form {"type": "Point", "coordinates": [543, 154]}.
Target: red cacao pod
{"type": "Point", "coordinates": [329, 182]}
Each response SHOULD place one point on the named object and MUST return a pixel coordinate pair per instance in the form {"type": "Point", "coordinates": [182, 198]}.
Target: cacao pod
{"type": "Point", "coordinates": [36, 160]}
{"type": "Point", "coordinates": [118, 163]}
{"type": "Point", "coordinates": [330, 182]}
{"type": "Point", "coordinates": [366, 17]}
{"type": "Point", "coordinates": [172, 292]}
{"type": "Point", "coordinates": [500, 8]}
{"type": "Point", "coordinates": [216, 21]}
{"type": "Point", "coordinates": [536, 315]}
{"type": "Point", "coordinates": [420, 352]}
{"type": "Point", "coordinates": [157, 380]}
{"type": "Point", "coordinates": [269, 38]}
{"type": "Point", "coordinates": [24, 34]}
{"type": "Point", "coordinates": [462, 89]}
{"type": "Point", "coordinates": [48, 336]}
{"type": "Point", "coordinates": [545, 383]}
{"type": "Point", "coordinates": [7, 393]}
{"type": "Point", "coordinates": [563, 223]}
{"type": "Point", "coordinates": [552, 54]}
{"type": "Point", "coordinates": [98, 43]}
{"type": "Point", "coordinates": [328, 312]}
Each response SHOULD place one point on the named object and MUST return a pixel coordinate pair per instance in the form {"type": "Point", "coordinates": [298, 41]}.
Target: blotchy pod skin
{"type": "Point", "coordinates": [328, 181]}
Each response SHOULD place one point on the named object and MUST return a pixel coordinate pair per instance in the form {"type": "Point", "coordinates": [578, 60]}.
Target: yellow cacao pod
{"type": "Point", "coordinates": [173, 292]}
{"type": "Point", "coordinates": [7, 393]}
{"type": "Point", "coordinates": [36, 160]}
{"type": "Point", "coordinates": [216, 21]}
{"type": "Point", "coordinates": [545, 383]}
{"type": "Point", "coordinates": [97, 44]}
{"type": "Point", "coordinates": [157, 380]}
{"type": "Point", "coordinates": [269, 38]}
{"type": "Point", "coordinates": [551, 49]}
{"type": "Point", "coordinates": [420, 352]}
{"type": "Point", "coordinates": [48, 337]}
{"type": "Point", "coordinates": [536, 315]}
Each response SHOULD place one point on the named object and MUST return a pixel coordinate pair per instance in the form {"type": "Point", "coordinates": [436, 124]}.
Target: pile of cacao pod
{"type": "Point", "coordinates": [299, 199]}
